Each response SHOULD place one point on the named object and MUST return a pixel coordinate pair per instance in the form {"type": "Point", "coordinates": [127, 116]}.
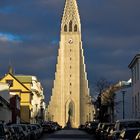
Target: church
{"type": "Point", "coordinates": [70, 103]}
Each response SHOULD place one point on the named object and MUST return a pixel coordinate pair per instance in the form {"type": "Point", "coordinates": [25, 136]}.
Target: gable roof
{"type": "Point", "coordinates": [24, 78]}
{"type": "Point", "coordinates": [16, 80]}
{"type": "Point", "coordinates": [134, 61]}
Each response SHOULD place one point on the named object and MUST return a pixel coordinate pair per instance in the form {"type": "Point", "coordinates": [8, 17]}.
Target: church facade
{"type": "Point", "coordinates": [70, 101]}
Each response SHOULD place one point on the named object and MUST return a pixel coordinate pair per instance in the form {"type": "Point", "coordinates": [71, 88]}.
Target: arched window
{"type": "Point", "coordinates": [75, 28]}
{"type": "Point", "coordinates": [65, 28]}
{"type": "Point", "coordinates": [70, 26]}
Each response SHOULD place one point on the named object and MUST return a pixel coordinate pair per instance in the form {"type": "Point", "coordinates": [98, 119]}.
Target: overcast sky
{"type": "Point", "coordinates": [30, 31]}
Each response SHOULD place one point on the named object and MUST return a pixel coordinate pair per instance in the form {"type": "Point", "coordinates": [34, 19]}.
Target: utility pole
{"type": "Point", "coordinates": [123, 94]}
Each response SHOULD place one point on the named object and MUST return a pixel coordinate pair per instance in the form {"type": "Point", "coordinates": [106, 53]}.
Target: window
{"type": "Point", "coordinates": [65, 28]}
{"type": "Point", "coordinates": [135, 74]}
{"type": "Point", "coordinates": [10, 82]}
{"type": "Point", "coordinates": [70, 58]}
{"type": "Point", "coordinates": [138, 71]}
{"type": "Point", "coordinates": [75, 28]}
{"type": "Point", "coordinates": [70, 26]}
{"type": "Point", "coordinates": [70, 92]}
{"type": "Point", "coordinates": [70, 84]}
{"type": "Point", "coordinates": [132, 76]}
{"type": "Point", "coordinates": [135, 106]}
{"type": "Point", "coordinates": [138, 101]}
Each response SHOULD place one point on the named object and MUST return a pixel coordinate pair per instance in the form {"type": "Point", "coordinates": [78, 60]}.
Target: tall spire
{"type": "Point", "coordinates": [71, 17]}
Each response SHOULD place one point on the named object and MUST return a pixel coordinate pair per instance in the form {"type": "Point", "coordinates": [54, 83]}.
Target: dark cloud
{"type": "Point", "coordinates": [110, 34]}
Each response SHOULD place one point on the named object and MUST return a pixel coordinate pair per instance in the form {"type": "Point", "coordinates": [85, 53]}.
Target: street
{"type": "Point", "coordinates": [68, 134]}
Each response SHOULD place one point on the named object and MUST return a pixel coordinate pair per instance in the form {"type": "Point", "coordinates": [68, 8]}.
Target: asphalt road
{"type": "Point", "coordinates": [68, 134]}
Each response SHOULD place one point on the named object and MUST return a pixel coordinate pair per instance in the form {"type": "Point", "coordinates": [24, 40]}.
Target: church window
{"type": "Point", "coordinates": [65, 28]}
{"type": "Point", "coordinates": [70, 26]}
{"type": "Point", "coordinates": [75, 28]}
{"type": "Point", "coordinates": [70, 58]}
{"type": "Point", "coordinates": [70, 84]}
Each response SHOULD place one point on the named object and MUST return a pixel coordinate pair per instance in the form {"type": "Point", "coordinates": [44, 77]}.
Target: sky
{"type": "Point", "coordinates": [30, 34]}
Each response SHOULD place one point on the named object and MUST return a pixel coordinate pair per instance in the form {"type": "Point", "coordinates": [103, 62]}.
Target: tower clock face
{"type": "Point", "coordinates": [70, 41]}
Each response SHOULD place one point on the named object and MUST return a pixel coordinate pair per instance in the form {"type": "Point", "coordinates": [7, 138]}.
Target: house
{"type": "Point", "coordinates": [24, 106]}
{"type": "Point", "coordinates": [37, 101]}
{"type": "Point", "coordinates": [134, 66]}
{"type": "Point", "coordinates": [116, 102]}
{"type": "Point", "coordinates": [5, 110]}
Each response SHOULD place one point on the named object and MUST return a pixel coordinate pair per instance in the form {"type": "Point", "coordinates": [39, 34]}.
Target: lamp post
{"type": "Point", "coordinates": [123, 95]}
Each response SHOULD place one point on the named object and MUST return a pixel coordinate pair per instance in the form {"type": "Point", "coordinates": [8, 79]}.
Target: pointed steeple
{"type": "Point", "coordinates": [71, 17]}
{"type": "Point", "coordinates": [11, 70]}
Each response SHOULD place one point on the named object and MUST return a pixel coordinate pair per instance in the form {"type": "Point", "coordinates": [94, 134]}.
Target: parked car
{"type": "Point", "coordinates": [18, 131]}
{"type": "Point", "coordinates": [4, 132]}
{"type": "Point", "coordinates": [33, 135]}
{"type": "Point", "coordinates": [13, 134]}
{"type": "Point", "coordinates": [91, 127]}
{"type": "Point", "coordinates": [98, 130]}
{"type": "Point", "coordinates": [25, 130]}
{"type": "Point", "coordinates": [137, 136]}
{"type": "Point", "coordinates": [81, 127]}
{"type": "Point", "coordinates": [39, 128]}
{"type": "Point", "coordinates": [128, 134]}
{"type": "Point", "coordinates": [50, 126]}
{"type": "Point", "coordinates": [103, 132]}
{"type": "Point", "coordinates": [108, 131]}
{"type": "Point", "coordinates": [123, 124]}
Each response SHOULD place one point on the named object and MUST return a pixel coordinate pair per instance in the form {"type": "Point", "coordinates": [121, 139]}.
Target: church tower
{"type": "Point", "coordinates": [70, 101]}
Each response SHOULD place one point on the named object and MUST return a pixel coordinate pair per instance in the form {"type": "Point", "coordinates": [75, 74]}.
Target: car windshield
{"type": "Point", "coordinates": [131, 134]}
{"type": "Point", "coordinates": [1, 131]}
{"type": "Point", "coordinates": [129, 125]}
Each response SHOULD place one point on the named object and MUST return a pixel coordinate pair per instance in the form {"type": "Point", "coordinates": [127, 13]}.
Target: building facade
{"type": "Point", "coordinates": [5, 109]}
{"type": "Point", "coordinates": [70, 101]}
{"type": "Point", "coordinates": [17, 88]}
{"type": "Point", "coordinates": [135, 72]}
{"type": "Point", "coordinates": [26, 98]}
{"type": "Point", "coordinates": [37, 112]}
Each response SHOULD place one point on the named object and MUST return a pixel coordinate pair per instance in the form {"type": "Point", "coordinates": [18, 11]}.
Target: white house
{"type": "Point", "coordinates": [135, 72]}
{"type": "Point", "coordinates": [5, 111]}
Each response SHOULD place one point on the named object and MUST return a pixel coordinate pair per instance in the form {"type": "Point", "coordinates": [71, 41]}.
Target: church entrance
{"type": "Point", "coordinates": [70, 114]}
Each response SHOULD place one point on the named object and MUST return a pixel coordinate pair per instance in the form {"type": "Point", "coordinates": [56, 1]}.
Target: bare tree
{"type": "Point", "coordinates": [101, 85]}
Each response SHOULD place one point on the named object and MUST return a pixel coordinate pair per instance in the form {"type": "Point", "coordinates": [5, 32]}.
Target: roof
{"type": "Point", "coordinates": [16, 80]}
{"type": "Point", "coordinates": [24, 78]}
{"type": "Point", "coordinates": [134, 60]}
{"type": "Point", "coordinates": [128, 120]}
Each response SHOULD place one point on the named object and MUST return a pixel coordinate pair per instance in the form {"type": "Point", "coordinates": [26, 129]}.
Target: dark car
{"type": "Point", "coordinates": [123, 124]}
{"type": "Point", "coordinates": [13, 134]}
{"type": "Point", "coordinates": [98, 130]}
{"type": "Point", "coordinates": [104, 130]}
{"type": "Point", "coordinates": [91, 127]}
{"type": "Point", "coordinates": [137, 136]}
{"type": "Point", "coordinates": [129, 134]}
{"type": "Point", "coordinates": [19, 132]}
{"type": "Point", "coordinates": [81, 127]}
{"type": "Point", "coordinates": [4, 132]}
{"type": "Point", "coordinates": [47, 127]}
